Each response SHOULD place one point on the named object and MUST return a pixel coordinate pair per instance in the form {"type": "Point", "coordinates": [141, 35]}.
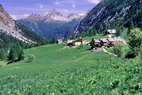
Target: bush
{"type": "Point", "coordinates": [117, 49]}
{"type": "Point", "coordinates": [130, 54]}
{"type": "Point", "coordinates": [80, 47]}
{"type": "Point", "coordinates": [135, 40]}
{"type": "Point", "coordinates": [31, 58]}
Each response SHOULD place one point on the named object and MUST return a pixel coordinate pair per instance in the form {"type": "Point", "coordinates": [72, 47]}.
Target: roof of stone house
{"type": "Point", "coordinates": [111, 39]}
{"type": "Point", "coordinates": [70, 41]}
{"type": "Point", "coordinates": [111, 31]}
{"type": "Point", "coordinates": [119, 39]}
{"type": "Point", "coordinates": [97, 41]}
{"type": "Point", "coordinates": [78, 40]}
{"type": "Point", "coordinates": [104, 40]}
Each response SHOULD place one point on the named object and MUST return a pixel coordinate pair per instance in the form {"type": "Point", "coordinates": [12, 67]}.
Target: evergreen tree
{"type": "Point", "coordinates": [2, 54]}
{"type": "Point", "coordinates": [12, 55]}
{"type": "Point", "coordinates": [18, 48]}
{"type": "Point", "coordinates": [92, 43]}
{"type": "Point", "coordinates": [90, 32]}
{"type": "Point", "coordinates": [54, 40]}
{"type": "Point", "coordinates": [21, 55]}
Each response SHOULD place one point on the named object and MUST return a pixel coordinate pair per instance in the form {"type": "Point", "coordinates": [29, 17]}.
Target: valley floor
{"type": "Point", "coordinates": [58, 71]}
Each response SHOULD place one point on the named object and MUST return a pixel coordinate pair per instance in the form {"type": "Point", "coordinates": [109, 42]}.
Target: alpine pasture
{"type": "Point", "coordinates": [71, 71]}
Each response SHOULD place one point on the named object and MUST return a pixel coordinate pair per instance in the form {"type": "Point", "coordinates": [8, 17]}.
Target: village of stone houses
{"type": "Point", "coordinates": [97, 45]}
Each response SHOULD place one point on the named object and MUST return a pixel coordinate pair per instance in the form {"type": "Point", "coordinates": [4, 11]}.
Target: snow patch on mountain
{"type": "Point", "coordinates": [54, 15]}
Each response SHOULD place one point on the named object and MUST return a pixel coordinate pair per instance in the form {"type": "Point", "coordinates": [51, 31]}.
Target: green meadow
{"type": "Point", "coordinates": [71, 71]}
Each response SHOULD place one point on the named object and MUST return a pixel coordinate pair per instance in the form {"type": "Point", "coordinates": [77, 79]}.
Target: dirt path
{"type": "Point", "coordinates": [108, 52]}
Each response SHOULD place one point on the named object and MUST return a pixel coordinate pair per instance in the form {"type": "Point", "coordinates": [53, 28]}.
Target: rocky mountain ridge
{"type": "Point", "coordinates": [52, 24]}
{"type": "Point", "coordinates": [14, 30]}
{"type": "Point", "coordinates": [8, 26]}
{"type": "Point", "coordinates": [54, 15]}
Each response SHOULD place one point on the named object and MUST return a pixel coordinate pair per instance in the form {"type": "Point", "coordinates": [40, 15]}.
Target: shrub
{"type": "Point", "coordinates": [130, 54]}
{"type": "Point", "coordinates": [117, 49]}
{"type": "Point", "coordinates": [31, 58]}
{"type": "Point", "coordinates": [135, 40]}
{"type": "Point", "coordinates": [80, 47]}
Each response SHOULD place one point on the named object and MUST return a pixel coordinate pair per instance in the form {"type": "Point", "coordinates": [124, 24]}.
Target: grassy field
{"type": "Point", "coordinates": [2, 63]}
{"type": "Point", "coordinates": [58, 71]}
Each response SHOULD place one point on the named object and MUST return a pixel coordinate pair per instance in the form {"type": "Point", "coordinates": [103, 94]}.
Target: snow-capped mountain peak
{"type": "Point", "coordinates": [33, 17]}
{"type": "Point", "coordinates": [82, 14]}
{"type": "Point", "coordinates": [52, 12]}
{"type": "Point", "coordinates": [53, 24]}
{"type": "Point", "coordinates": [54, 16]}
{"type": "Point", "coordinates": [73, 16]}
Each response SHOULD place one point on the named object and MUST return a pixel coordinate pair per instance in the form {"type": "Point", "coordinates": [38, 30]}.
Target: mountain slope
{"type": "Point", "coordinates": [52, 23]}
{"type": "Point", "coordinates": [112, 14]}
{"type": "Point", "coordinates": [13, 30]}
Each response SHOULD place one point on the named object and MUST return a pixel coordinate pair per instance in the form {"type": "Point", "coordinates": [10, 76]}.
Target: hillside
{"type": "Point", "coordinates": [56, 71]}
{"type": "Point", "coordinates": [11, 32]}
{"type": "Point", "coordinates": [52, 24]}
{"type": "Point", "coordinates": [112, 14]}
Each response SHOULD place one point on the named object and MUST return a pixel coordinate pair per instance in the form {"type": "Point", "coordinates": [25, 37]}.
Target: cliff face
{"type": "Point", "coordinates": [112, 14]}
{"type": "Point", "coordinates": [6, 20]}
{"type": "Point", "coordinates": [11, 28]}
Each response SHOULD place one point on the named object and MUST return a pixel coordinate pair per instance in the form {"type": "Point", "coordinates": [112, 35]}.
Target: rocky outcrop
{"type": "Point", "coordinates": [6, 20]}
{"type": "Point", "coordinates": [9, 27]}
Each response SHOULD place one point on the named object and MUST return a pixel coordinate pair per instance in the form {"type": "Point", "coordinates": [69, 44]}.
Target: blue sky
{"type": "Point", "coordinates": [22, 8]}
